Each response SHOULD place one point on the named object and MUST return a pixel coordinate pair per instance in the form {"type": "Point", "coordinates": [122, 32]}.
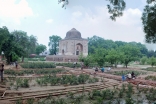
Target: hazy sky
{"type": "Point", "coordinates": [44, 18]}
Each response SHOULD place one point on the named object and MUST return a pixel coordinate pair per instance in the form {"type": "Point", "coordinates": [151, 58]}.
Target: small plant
{"type": "Point", "coordinates": [30, 101]}
{"type": "Point", "coordinates": [70, 95]}
{"type": "Point", "coordinates": [19, 101]}
{"type": "Point", "coordinates": [129, 101]}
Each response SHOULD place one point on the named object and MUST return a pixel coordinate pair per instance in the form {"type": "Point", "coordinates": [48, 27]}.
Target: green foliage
{"type": "Point", "coordinates": [34, 65]}
{"type": "Point", "coordinates": [129, 101]}
{"type": "Point", "coordinates": [152, 61]}
{"type": "Point", "coordinates": [21, 83]}
{"type": "Point", "coordinates": [68, 65]}
{"type": "Point", "coordinates": [143, 60]}
{"type": "Point", "coordinates": [113, 57]}
{"type": "Point", "coordinates": [53, 44]}
{"type": "Point", "coordinates": [65, 80]}
{"type": "Point", "coordinates": [115, 8]}
{"type": "Point", "coordinates": [106, 96]}
{"type": "Point", "coordinates": [34, 71]}
{"type": "Point", "coordinates": [100, 56]}
{"type": "Point", "coordinates": [149, 21]}
{"type": "Point", "coordinates": [151, 96]}
{"type": "Point", "coordinates": [150, 69]}
{"type": "Point", "coordinates": [129, 53]}
{"type": "Point", "coordinates": [36, 59]}
{"type": "Point", "coordinates": [17, 44]}
{"type": "Point", "coordinates": [19, 101]}
{"type": "Point", "coordinates": [4, 34]}
{"type": "Point", "coordinates": [153, 78]}
{"type": "Point", "coordinates": [30, 101]}
{"type": "Point", "coordinates": [40, 48]}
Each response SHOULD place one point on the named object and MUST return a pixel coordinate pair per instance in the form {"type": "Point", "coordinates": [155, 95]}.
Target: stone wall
{"type": "Point", "coordinates": [62, 58]}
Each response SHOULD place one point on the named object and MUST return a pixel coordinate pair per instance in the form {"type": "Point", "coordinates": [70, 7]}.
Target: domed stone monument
{"type": "Point", "coordinates": [70, 47]}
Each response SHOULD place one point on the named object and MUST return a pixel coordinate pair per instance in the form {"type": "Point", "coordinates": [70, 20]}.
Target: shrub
{"type": "Point", "coordinates": [71, 65]}
{"type": "Point", "coordinates": [40, 65]}
{"type": "Point", "coordinates": [33, 71]}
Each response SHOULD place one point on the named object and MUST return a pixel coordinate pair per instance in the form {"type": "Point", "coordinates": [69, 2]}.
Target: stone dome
{"type": "Point", "coordinates": [73, 34]}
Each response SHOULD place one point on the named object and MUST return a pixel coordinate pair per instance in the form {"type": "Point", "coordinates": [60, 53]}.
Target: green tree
{"type": "Point", "coordinates": [100, 56]}
{"type": "Point", "coordinates": [11, 49]}
{"type": "Point", "coordinates": [27, 43]}
{"type": "Point", "coordinates": [53, 44]}
{"type": "Point", "coordinates": [129, 53]}
{"type": "Point", "coordinates": [40, 48]}
{"type": "Point", "coordinates": [32, 44]}
{"type": "Point", "coordinates": [96, 41]}
{"type": "Point", "coordinates": [22, 40]}
{"type": "Point", "coordinates": [149, 21]}
{"type": "Point", "coordinates": [113, 56]}
{"type": "Point", "coordinates": [4, 35]}
{"type": "Point", "coordinates": [86, 60]}
{"type": "Point", "coordinates": [143, 60]}
{"type": "Point", "coordinates": [152, 61]}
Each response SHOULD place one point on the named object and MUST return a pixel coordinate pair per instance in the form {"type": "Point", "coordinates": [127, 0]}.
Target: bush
{"type": "Point", "coordinates": [71, 65]}
{"type": "Point", "coordinates": [65, 80]}
{"type": "Point", "coordinates": [150, 69]}
{"type": "Point", "coordinates": [34, 65]}
{"type": "Point", "coordinates": [153, 78]}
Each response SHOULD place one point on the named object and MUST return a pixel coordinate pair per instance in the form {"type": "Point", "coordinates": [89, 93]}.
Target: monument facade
{"type": "Point", "coordinates": [70, 47]}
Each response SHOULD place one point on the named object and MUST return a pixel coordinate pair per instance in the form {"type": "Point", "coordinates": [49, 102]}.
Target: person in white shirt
{"type": "Point", "coordinates": [109, 69]}
{"type": "Point", "coordinates": [129, 76]}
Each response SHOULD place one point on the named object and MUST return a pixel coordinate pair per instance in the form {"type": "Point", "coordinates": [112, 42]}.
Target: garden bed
{"type": "Point", "coordinates": [39, 65]}
{"type": "Point", "coordinates": [127, 94]}
{"type": "Point", "coordinates": [50, 80]}
{"type": "Point", "coordinates": [125, 72]}
{"type": "Point", "coordinates": [152, 78]}
{"type": "Point", "coordinates": [150, 69]}
{"type": "Point", "coordinates": [34, 71]}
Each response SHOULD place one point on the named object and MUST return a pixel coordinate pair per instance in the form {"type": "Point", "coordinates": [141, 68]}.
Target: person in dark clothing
{"type": "Point", "coordinates": [96, 69]}
{"type": "Point", "coordinates": [16, 63]}
{"type": "Point", "coordinates": [2, 70]}
{"type": "Point", "coordinates": [133, 75]}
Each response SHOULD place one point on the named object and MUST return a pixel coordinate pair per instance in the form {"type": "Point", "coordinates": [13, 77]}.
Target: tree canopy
{"type": "Point", "coordinates": [16, 44]}
{"type": "Point", "coordinates": [40, 48]}
{"type": "Point", "coordinates": [53, 44]}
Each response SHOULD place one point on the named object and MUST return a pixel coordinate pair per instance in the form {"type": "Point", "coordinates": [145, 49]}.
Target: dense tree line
{"type": "Point", "coordinates": [99, 42]}
{"type": "Point", "coordinates": [103, 51]}
{"type": "Point", "coordinates": [17, 44]}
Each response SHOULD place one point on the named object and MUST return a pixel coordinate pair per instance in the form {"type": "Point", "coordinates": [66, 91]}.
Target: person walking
{"type": "Point", "coordinates": [74, 64]}
{"type": "Point", "coordinates": [1, 71]}
{"type": "Point", "coordinates": [16, 63]}
{"type": "Point", "coordinates": [82, 66]}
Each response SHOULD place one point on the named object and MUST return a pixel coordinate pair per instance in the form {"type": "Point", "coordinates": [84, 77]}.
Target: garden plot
{"type": "Point", "coordinates": [153, 69]}
{"type": "Point", "coordinates": [125, 72]}
{"type": "Point", "coordinates": [150, 77]}
{"type": "Point", "coordinates": [53, 77]}
{"type": "Point", "coordinates": [126, 94]}
{"type": "Point", "coordinates": [43, 85]}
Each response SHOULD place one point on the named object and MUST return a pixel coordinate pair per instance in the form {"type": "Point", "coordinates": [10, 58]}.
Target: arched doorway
{"type": "Point", "coordinates": [79, 49]}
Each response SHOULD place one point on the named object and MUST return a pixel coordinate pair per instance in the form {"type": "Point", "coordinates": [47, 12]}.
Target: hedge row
{"type": "Point", "coordinates": [34, 65]}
